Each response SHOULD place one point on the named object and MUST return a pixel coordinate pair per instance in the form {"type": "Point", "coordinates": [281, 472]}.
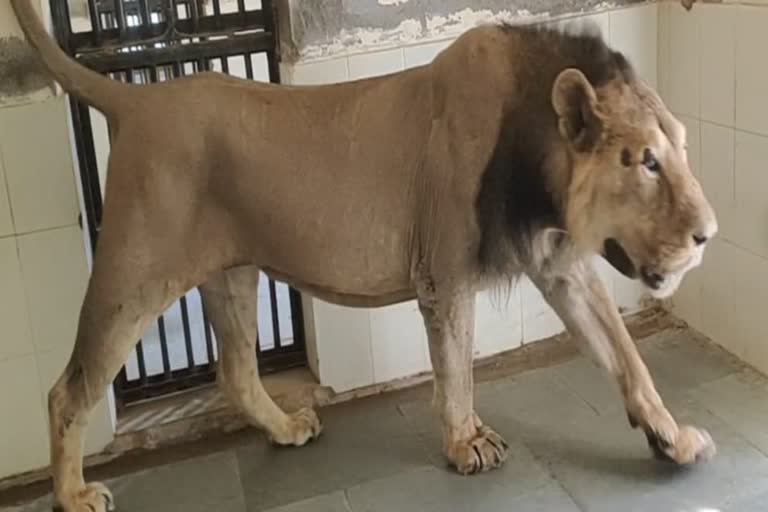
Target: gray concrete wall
{"type": "Point", "coordinates": [312, 29]}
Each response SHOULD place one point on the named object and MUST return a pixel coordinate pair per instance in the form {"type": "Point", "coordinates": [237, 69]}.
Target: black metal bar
{"type": "Point", "coordinates": [194, 13]}
{"type": "Point", "coordinates": [187, 333]}
{"type": "Point", "coordinates": [297, 320]}
{"type": "Point", "coordinates": [248, 66]}
{"type": "Point", "coordinates": [111, 37]}
{"type": "Point", "coordinates": [164, 346]}
{"type": "Point", "coordinates": [217, 13]}
{"type": "Point", "coordinates": [191, 43]}
{"type": "Point", "coordinates": [93, 13]}
{"type": "Point", "coordinates": [215, 48]}
{"type": "Point", "coordinates": [273, 55]}
{"type": "Point", "coordinates": [120, 20]}
{"type": "Point", "coordinates": [145, 13]}
{"type": "Point", "coordinates": [275, 313]}
{"type": "Point", "coordinates": [143, 378]}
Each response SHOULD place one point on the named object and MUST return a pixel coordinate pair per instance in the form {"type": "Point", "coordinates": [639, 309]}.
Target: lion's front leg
{"type": "Point", "coordinates": [468, 444]}
{"type": "Point", "coordinates": [577, 294]}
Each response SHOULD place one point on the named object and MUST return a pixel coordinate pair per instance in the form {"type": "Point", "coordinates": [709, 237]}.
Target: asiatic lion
{"type": "Point", "coordinates": [518, 150]}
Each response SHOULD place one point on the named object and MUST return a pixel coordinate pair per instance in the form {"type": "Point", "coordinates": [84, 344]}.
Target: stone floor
{"type": "Point", "coordinates": [572, 450]}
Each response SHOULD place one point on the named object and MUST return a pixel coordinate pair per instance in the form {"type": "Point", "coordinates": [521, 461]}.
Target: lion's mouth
{"type": "Point", "coordinates": [615, 254]}
{"type": "Point", "coordinates": [620, 260]}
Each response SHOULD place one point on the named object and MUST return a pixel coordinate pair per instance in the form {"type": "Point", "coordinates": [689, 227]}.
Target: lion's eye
{"type": "Point", "coordinates": [650, 162]}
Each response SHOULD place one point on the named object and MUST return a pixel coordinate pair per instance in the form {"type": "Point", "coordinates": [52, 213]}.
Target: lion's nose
{"type": "Point", "coordinates": [705, 232]}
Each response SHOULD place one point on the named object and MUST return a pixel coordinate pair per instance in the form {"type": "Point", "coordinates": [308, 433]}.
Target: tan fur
{"type": "Point", "coordinates": [365, 194]}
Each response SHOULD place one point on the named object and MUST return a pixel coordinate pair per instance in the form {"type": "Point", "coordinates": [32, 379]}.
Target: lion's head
{"type": "Point", "coordinates": [632, 195]}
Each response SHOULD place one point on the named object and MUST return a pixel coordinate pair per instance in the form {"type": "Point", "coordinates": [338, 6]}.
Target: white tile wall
{"type": "Point", "coordinates": [423, 54]}
{"type": "Point", "coordinates": [6, 222]}
{"type": "Point", "coordinates": [360, 347]}
{"type": "Point", "coordinates": [634, 32]}
{"type": "Point", "coordinates": [683, 72]}
{"type": "Point", "coordinates": [717, 174]}
{"type": "Point", "coordinates": [398, 342]}
{"type": "Point", "coordinates": [24, 432]}
{"type": "Point", "coordinates": [726, 297]}
{"type": "Point", "coordinates": [751, 73]}
{"type": "Point", "coordinates": [718, 63]}
{"type": "Point", "coordinates": [55, 276]}
{"type": "Point", "coordinates": [374, 64]}
{"type": "Point", "coordinates": [343, 337]}
{"type": "Point", "coordinates": [41, 181]}
{"type": "Point", "coordinates": [498, 321]}
{"type": "Point", "coordinates": [693, 137]}
{"type": "Point", "coordinates": [322, 72]}
{"type": "Point", "coordinates": [16, 335]}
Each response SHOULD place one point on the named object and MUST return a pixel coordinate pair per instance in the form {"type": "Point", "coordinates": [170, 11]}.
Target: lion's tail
{"type": "Point", "coordinates": [94, 89]}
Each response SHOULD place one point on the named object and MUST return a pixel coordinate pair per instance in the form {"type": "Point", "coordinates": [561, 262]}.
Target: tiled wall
{"type": "Point", "coordinates": [43, 272]}
{"type": "Point", "coordinates": [714, 75]}
{"type": "Point", "coordinates": [354, 347]}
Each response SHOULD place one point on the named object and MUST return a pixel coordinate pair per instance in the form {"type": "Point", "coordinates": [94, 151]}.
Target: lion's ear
{"type": "Point", "coordinates": [574, 101]}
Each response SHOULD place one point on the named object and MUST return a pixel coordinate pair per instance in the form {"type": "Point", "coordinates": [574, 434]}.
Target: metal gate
{"type": "Point", "coordinates": [142, 41]}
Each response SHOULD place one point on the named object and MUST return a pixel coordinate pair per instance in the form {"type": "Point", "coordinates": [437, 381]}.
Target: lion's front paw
{"type": "Point", "coordinates": [486, 451]}
{"type": "Point", "coordinates": [690, 445]}
{"type": "Point", "coordinates": [303, 426]}
{"type": "Point", "coordinates": [94, 498]}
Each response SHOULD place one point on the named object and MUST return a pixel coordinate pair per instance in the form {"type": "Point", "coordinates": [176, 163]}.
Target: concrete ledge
{"type": "Point", "coordinates": [311, 30]}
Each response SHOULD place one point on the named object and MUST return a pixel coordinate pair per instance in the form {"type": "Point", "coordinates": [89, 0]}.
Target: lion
{"type": "Point", "coordinates": [520, 150]}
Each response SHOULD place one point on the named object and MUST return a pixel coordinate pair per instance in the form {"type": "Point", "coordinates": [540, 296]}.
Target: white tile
{"type": "Point", "coordinates": [16, 335]}
{"type": "Point", "coordinates": [751, 73]}
{"type": "Point", "coordinates": [23, 430]}
{"type": "Point", "coordinates": [718, 65]}
{"type": "Point", "coordinates": [749, 297]}
{"type": "Point", "coordinates": [423, 53]}
{"type": "Point", "coordinates": [684, 51]}
{"type": "Point", "coordinates": [317, 73]}
{"type": "Point", "coordinates": [717, 174]}
{"type": "Point", "coordinates": [100, 429]}
{"type": "Point", "coordinates": [343, 346]}
{"type": "Point", "coordinates": [686, 302]}
{"type": "Point", "coordinates": [375, 64]}
{"type": "Point", "coordinates": [539, 320]}
{"type": "Point", "coordinates": [693, 138]}
{"type": "Point", "coordinates": [6, 222]}
{"type": "Point", "coordinates": [55, 276]}
{"type": "Point", "coordinates": [634, 32]}
{"type": "Point", "coordinates": [41, 183]}
{"type": "Point", "coordinates": [398, 342]}
{"type": "Point", "coordinates": [716, 307]}
{"type": "Point", "coordinates": [498, 321]}
{"type": "Point", "coordinates": [663, 50]}
{"type": "Point", "coordinates": [750, 222]}
{"type": "Point", "coordinates": [629, 294]}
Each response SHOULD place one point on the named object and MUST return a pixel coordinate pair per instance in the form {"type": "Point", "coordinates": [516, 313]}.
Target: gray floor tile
{"type": "Point", "coordinates": [571, 450]}
{"type": "Point", "coordinates": [681, 359]}
{"type": "Point", "coordinates": [740, 399]}
{"type": "Point", "coordinates": [361, 441]}
{"type": "Point", "coordinates": [615, 472]}
{"type": "Point", "coordinates": [203, 484]}
{"type": "Point", "coordinates": [433, 490]}
{"type": "Point", "coordinates": [335, 502]}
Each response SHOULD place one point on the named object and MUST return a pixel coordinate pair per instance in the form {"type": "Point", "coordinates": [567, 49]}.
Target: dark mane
{"type": "Point", "coordinates": [515, 201]}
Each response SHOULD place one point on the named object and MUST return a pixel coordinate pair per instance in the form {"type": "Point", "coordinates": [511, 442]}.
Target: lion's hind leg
{"type": "Point", "coordinates": [230, 301]}
{"type": "Point", "coordinates": [120, 302]}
